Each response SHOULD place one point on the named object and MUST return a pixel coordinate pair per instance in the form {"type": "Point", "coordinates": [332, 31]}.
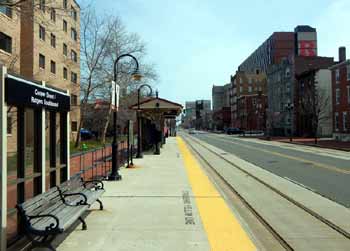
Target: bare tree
{"type": "Point", "coordinates": [95, 34]}
{"type": "Point", "coordinates": [314, 105]}
{"type": "Point", "coordinates": [103, 39]}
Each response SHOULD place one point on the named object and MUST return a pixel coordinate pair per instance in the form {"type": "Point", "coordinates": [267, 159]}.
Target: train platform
{"type": "Point", "coordinates": [166, 202]}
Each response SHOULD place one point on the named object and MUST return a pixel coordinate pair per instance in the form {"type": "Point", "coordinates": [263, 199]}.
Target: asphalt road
{"type": "Point", "coordinates": [323, 171]}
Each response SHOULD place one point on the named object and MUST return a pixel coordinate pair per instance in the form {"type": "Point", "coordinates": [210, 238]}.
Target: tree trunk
{"type": "Point", "coordinates": [77, 140]}
{"type": "Point", "coordinates": [105, 128]}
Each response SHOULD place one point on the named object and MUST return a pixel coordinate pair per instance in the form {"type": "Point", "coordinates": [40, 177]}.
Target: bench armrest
{"type": "Point", "coordinates": [98, 184]}
{"type": "Point", "coordinates": [83, 201]}
{"type": "Point", "coordinates": [50, 229]}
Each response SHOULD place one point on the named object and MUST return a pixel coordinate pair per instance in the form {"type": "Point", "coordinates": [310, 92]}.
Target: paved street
{"type": "Point", "coordinates": [324, 171]}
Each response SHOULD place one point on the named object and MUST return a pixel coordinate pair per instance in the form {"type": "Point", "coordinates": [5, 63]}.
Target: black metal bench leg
{"type": "Point", "coordinates": [83, 222]}
{"type": "Point", "coordinates": [100, 202]}
{"type": "Point", "coordinates": [49, 246]}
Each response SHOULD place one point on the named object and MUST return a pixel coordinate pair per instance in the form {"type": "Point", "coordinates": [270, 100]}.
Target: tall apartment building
{"type": "Point", "coordinates": [341, 97]}
{"type": "Point", "coordinates": [40, 42]}
{"type": "Point", "coordinates": [50, 47]}
{"type": "Point", "coordinates": [10, 29]}
{"type": "Point", "coordinates": [276, 47]}
{"type": "Point", "coordinates": [303, 42]}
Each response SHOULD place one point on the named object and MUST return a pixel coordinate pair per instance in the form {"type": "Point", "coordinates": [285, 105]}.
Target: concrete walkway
{"type": "Point", "coordinates": [145, 211]}
{"type": "Point", "coordinates": [165, 203]}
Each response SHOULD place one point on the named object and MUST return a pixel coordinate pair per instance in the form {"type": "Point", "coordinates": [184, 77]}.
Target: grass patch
{"type": "Point", "coordinates": [92, 144]}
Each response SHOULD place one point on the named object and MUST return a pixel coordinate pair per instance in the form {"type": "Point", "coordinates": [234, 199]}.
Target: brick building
{"type": "Point", "coordinates": [251, 112]}
{"type": "Point", "coordinates": [341, 97]}
{"type": "Point", "coordinates": [247, 87]}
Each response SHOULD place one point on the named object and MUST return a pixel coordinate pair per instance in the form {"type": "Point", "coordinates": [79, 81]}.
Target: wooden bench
{"type": "Point", "coordinates": [51, 213]}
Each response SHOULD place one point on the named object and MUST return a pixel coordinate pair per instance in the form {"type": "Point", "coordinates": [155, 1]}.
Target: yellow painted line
{"type": "Point", "coordinates": [314, 163]}
{"type": "Point", "coordinates": [223, 230]}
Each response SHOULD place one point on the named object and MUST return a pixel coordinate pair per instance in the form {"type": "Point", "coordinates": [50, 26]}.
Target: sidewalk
{"type": "Point", "coordinates": [160, 205]}
{"type": "Point", "coordinates": [322, 143]}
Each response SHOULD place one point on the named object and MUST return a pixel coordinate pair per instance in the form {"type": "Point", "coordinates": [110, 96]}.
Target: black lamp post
{"type": "Point", "coordinates": [139, 143]}
{"type": "Point", "coordinates": [115, 168]}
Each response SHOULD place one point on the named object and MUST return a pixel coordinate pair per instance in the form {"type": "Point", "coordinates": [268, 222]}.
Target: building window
{"type": "Point", "coordinates": [5, 43]}
{"type": "Point", "coordinates": [42, 5]}
{"type": "Point", "coordinates": [74, 56]}
{"type": "Point", "coordinates": [240, 80]}
{"type": "Point", "coordinates": [53, 15]}
{"type": "Point", "coordinates": [241, 89]}
{"type": "Point", "coordinates": [337, 75]}
{"type": "Point", "coordinates": [348, 72]}
{"type": "Point", "coordinates": [287, 72]}
{"type": "Point", "coordinates": [65, 26]}
{"type": "Point", "coordinates": [348, 89]}
{"type": "Point", "coordinates": [73, 13]}
{"type": "Point", "coordinates": [6, 11]}
{"type": "Point", "coordinates": [74, 99]}
{"type": "Point", "coordinates": [337, 96]}
{"type": "Point", "coordinates": [65, 50]}
{"type": "Point", "coordinates": [53, 67]}
{"type": "Point", "coordinates": [249, 80]}
{"type": "Point", "coordinates": [74, 77]}
{"type": "Point", "coordinates": [65, 73]}
{"type": "Point", "coordinates": [53, 40]}
{"type": "Point", "coordinates": [74, 34]}
{"type": "Point", "coordinates": [249, 89]}
{"type": "Point", "coordinates": [344, 121]}
{"type": "Point", "coordinates": [42, 61]}
{"type": "Point", "coordinates": [65, 5]}
{"type": "Point", "coordinates": [41, 32]}
{"type": "Point", "coordinates": [336, 120]}
{"type": "Point", "coordinates": [9, 124]}
{"type": "Point", "coordinates": [74, 126]}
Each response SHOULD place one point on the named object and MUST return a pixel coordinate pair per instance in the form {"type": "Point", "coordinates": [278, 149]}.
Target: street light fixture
{"type": "Point", "coordinates": [136, 76]}
{"type": "Point", "coordinates": [139, 143]}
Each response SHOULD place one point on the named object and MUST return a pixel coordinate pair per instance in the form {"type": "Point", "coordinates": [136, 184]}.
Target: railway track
{"type": "Point", "coordinates": [268, 226]}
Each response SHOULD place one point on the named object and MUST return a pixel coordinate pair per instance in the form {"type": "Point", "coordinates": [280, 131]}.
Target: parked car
{"type": "Point", "coordinates": [233, 131]}
{"type": "Point", "coordinates": [86, 134]}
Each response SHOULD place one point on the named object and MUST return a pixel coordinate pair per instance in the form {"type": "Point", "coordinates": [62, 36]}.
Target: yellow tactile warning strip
{"type": "Point", "coordinates": [223, 229]}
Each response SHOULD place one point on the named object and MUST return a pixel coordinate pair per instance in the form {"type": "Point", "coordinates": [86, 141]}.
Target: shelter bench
{"type": "Point", "coordinates": [51, 213]}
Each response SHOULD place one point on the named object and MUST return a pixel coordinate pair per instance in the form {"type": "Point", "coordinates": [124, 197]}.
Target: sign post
{"type": "Point", "coordinates": [3, 160]}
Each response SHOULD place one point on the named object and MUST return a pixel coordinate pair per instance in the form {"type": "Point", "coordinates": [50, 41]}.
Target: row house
{"type": "Point", "coordinates": [248, 100]}
{"type": "Point", "coordinates": [341, 97]}
{"type": "Point", "coordinates": [287, 84]}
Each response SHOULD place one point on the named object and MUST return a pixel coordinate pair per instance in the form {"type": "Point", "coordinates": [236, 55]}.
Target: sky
{"type": "Point", "coordinates": [195, 44]}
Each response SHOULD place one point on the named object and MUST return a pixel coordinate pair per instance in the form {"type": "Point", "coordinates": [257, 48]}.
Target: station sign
{"type": "Point", "coordinates": [20, 92]}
